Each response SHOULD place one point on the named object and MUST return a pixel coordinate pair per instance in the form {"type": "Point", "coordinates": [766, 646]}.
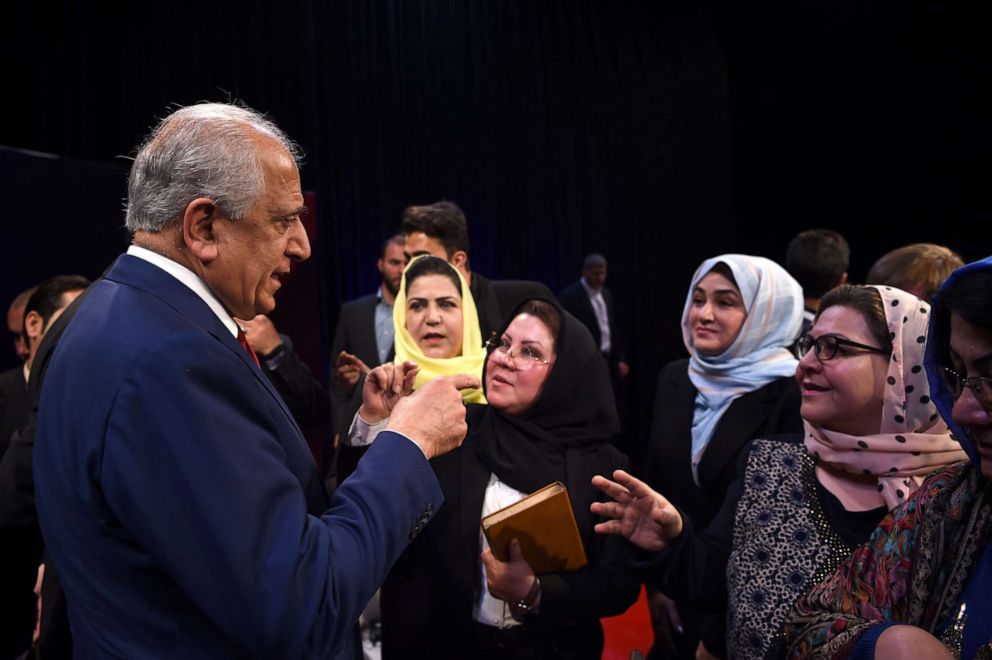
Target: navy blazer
{"type": "Point", "coordinates": [180, 502]}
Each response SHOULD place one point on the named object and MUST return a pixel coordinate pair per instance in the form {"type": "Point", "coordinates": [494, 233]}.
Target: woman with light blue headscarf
{"type": "Point", "coordinates": [740, 316]}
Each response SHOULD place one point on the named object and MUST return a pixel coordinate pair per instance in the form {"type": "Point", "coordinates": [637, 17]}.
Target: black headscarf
{"type": "Point", "coordinates": [573, 416]}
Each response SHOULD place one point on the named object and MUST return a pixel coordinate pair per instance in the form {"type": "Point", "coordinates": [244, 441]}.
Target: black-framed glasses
{"type": "Point", "coordinates": [528, 357]}
{"type": "Point", "coordinates": [826, 347]}
{"type": "Point", "coordinates": [981, 386]}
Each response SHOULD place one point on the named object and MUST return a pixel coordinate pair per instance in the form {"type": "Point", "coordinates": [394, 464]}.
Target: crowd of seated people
{"type": "Point", "coordinates": [816, 478]}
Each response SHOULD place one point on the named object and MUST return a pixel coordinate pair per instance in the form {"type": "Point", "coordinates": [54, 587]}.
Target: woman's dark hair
{"type": "Point", "coordinates": [865, 300]}
{"type": "Point", "coordinates": [723, 269]}
{"type": "Point", "coordinates": [968, 295]}
{"type": "Point", "coordinates": [548, 315]}
{"type": "Point", "coordinates": [428, 265]}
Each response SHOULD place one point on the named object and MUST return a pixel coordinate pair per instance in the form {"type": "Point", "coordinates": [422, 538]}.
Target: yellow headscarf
{"type": "Point", "coordinates": [473, 355]}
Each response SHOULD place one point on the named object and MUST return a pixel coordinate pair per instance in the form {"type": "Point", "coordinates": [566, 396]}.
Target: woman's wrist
{"type": "Point", "coordinates": [530, 603]}
{"type": "Point", "coordinates": [369, 417]}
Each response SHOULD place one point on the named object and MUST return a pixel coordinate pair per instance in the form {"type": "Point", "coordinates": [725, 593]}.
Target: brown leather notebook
{"type": "Point", "coordinates": [544, 524]}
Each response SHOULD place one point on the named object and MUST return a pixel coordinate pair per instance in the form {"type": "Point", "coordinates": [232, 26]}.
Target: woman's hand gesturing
{"type": "Point", "coordinates": [637, 513]}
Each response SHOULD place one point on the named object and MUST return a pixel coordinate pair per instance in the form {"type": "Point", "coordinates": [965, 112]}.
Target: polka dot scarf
{"type": "Point", "coordinates": [914, 440]}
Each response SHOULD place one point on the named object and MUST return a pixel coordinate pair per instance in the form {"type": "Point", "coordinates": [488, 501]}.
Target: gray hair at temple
{"type": "Point", "coordinates": [205, 150]}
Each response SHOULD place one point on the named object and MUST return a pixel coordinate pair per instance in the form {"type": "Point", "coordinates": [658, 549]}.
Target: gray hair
{"type": "Point", "coordinates": [205, 150]}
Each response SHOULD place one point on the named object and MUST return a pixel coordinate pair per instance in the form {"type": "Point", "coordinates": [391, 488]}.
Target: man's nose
{"type": "Point", "coordinates": [298, 248]}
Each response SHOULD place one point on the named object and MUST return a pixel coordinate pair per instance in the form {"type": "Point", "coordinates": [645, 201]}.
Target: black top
{"type": "Point", "coordinates": [770, 410]}
{"type": "Point", "coordinates": [694, 567]}
{"type": "Point", "coordinates": [15, 404]}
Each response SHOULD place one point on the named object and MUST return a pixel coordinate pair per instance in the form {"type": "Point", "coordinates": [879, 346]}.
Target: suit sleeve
{"type": "Point", "coordinates": [196, 466]}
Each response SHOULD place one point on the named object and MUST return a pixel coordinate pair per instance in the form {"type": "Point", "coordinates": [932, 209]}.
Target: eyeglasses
{"type": "Point", "coordinates": [826, 347]}
{"type": "Point", "coordinates": [979, 385]}
{"type": "Point", "coordinates": [526, 359]}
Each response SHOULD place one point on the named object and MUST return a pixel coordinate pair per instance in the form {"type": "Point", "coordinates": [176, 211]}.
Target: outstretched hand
{"type": "Point", "coordinates": [384, 387]}
{"type": "Point", "coordinates": [348, 369]}
{"type": "Point", "coordinates": [637, 513]}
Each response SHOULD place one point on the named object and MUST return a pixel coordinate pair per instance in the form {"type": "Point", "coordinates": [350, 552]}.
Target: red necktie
{"type": "Point", "coordinates": [245, 345]}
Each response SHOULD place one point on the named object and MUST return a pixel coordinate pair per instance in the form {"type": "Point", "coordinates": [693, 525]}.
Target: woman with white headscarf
{"type": "Point", "coordinates": [741, 314]}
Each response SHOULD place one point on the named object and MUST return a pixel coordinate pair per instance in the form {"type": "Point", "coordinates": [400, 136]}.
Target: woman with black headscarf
{"type": "Point", "coordinates": [551, 417]}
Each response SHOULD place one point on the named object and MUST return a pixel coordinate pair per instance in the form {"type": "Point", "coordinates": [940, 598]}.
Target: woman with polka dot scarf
{"type": "Point", "coordinates": [803, 503]}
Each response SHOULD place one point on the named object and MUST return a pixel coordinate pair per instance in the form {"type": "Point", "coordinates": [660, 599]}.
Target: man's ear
{"type": "Point", "coordinates": [843, 280]}
{"type": "Point", "coordinates": [199, 230]}
{"type": "Point", "coordinates": [380, 264]}
{"type": "Point", "coordinates": [459, 259]}
{"type": "Point", "coordinates": [34, 326]}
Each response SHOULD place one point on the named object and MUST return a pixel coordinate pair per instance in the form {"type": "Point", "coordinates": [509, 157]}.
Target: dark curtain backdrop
{"type": "Point", "coordinates": [658, 133]}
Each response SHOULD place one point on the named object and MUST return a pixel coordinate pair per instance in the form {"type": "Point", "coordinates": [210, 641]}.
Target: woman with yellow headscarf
{"type": "Point", "coordinates": [436, 325]}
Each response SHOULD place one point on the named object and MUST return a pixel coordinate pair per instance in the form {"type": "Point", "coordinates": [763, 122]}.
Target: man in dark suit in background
{"type": "Point", "coordinates": [440, 229]}
{"type": "Point", "coordinates": [15, 323]}
{"type": "Point", "coordinates": [175, 492]}
{"type": "Point", "coordinates": [363, 339]}
{"type": "Point", "coordinates": [20, 538]}
{"type": "Point", "coordinates": [592, 303]}
{"type": "Point", "coordinates": [46, 302]}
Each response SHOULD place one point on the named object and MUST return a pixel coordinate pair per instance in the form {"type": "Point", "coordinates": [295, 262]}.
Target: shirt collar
{"type": "Point", "coordinates": [591, 291]}
{"type": "Point", "coordinates": [191, 280]}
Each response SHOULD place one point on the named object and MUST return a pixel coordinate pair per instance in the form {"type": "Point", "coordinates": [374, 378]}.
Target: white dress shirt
{"type": "Point", "coordinates": [602, 316]}
{"type": "Point", "coordinates": [191, 280]}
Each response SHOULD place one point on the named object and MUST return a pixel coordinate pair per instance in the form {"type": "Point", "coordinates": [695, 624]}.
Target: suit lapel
{"type": "Point", "coordinates": [680, 413]}
{"type": "Point", "coordinates": [586, 302]}
{"type": "Point", "coordinates": [368, 348]}
{"type": "Point", "coordinates": [487, 306]}
{"type": "Point", "coordinates": [135, 272]}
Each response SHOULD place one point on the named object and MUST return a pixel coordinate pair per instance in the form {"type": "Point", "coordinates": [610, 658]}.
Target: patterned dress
{"type": "Point", "coordinates": [914, 569]}
{"type": "Point", "coordinates": [783, 544]}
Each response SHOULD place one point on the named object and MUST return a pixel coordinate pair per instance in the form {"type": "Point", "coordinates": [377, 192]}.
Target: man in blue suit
{"type": "Point", "coordinates": [175, 493]}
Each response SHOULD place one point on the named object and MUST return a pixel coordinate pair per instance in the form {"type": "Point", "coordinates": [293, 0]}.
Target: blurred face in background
{"type": "Point", "coordinates": [391, 267]}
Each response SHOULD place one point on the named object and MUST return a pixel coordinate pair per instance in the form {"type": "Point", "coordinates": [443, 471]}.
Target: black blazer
{"type": "Point", "coordinates": [576, 301]}
{"type": "Point", "coordinates": [355, 333]}
{"type": "Point", "coordinates": [20, 533]}
{"type": "Point", "coordinates": [771, 410]}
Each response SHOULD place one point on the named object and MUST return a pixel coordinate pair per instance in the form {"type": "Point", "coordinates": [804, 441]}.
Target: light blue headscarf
{"type": "Point", "coordinates": [759, 354]}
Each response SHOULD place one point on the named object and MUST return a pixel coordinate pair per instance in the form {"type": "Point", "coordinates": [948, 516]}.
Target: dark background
{"type": "Point", "coordinates": [659, 133]}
